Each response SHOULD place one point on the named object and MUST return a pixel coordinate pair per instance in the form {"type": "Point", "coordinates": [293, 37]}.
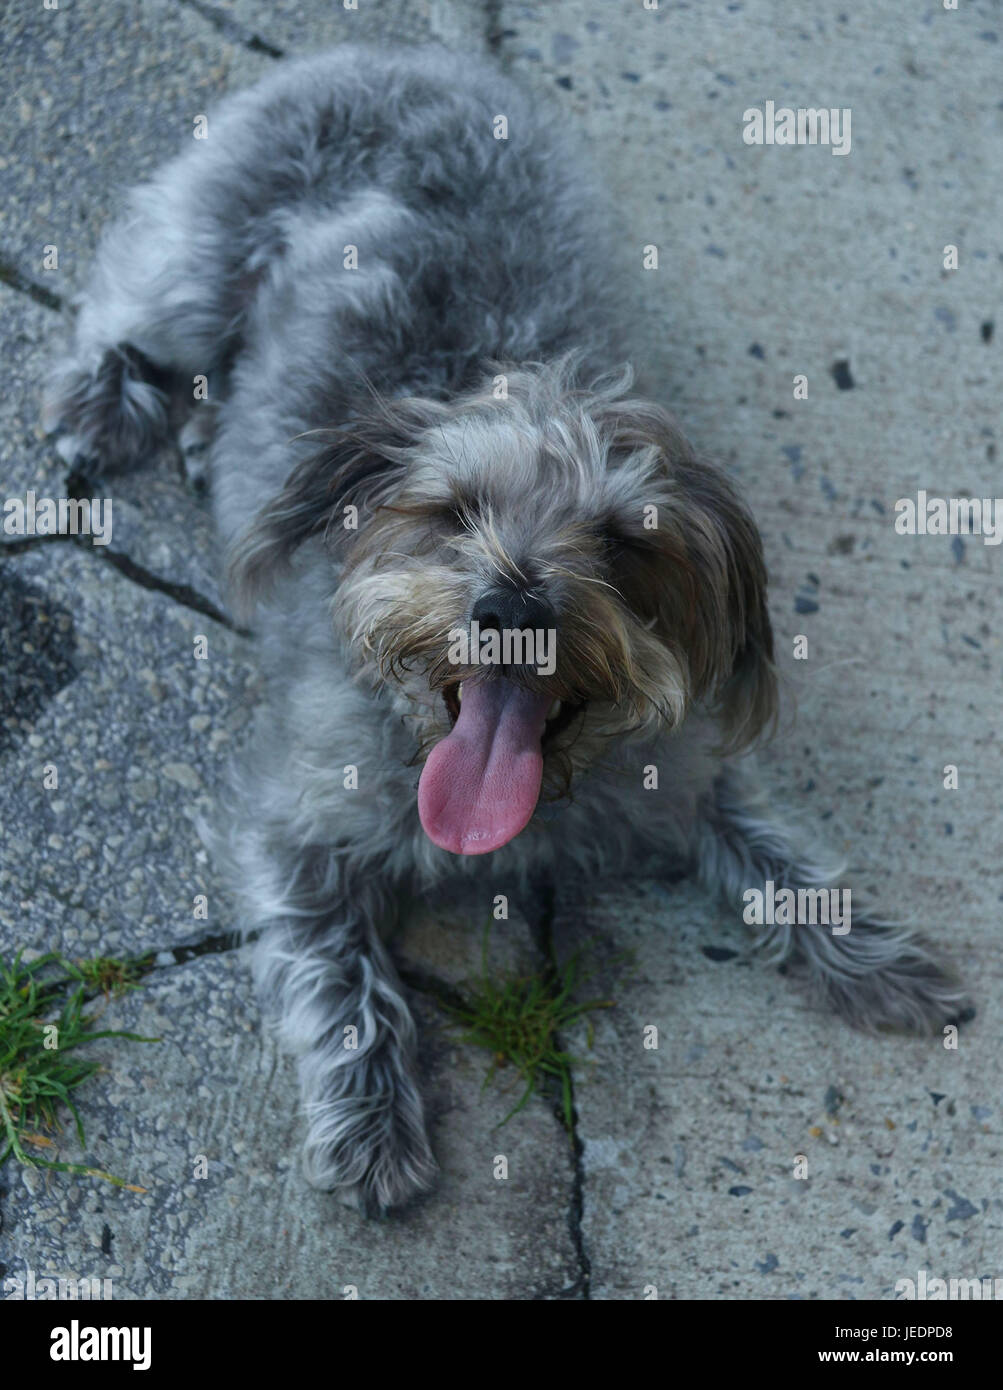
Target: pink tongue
{"type": "Point", "coordinates": [480, 785]}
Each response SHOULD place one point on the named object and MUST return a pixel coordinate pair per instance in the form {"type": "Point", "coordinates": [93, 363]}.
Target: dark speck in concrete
{"type": "Point", "coordinates": [957, 549]}
{"type": "Point", "coordinates": [564, 82]}
{"type": "Point", "coordinates": [896, 1227]}
{"type": "Point", "coordinates": [962, 1210]}
{"type": "Point", "coordinates": [768, 1264]}
{"type": "Point", "coordinates": [842, 376]}
{"type": "Point", "coordinates": [919, 1229]}
{"type": "Point", "coordinates": [986, 330]}
{"type": "Point", "coordinates": [718, 953]}
{"type": "Point", "coordinates": [739, 1191]}
{"type": "Point", "coordinates": [756, 351]}
{"type": "Point", "coordinates": [562, 46]}
{"type": "Point", "coordinates": [805, 605]}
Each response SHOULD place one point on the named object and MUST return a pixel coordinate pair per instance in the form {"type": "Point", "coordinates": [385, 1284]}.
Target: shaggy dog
{"type": "Point", "coordinates": [393, 272]}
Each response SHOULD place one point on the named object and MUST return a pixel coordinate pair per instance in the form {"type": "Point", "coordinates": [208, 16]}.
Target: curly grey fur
{"type": "Point", "coordinates": [376, 388]}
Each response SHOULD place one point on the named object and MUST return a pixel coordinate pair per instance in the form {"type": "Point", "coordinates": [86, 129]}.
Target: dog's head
{"type": "Point", "coordinates": [531, 569]}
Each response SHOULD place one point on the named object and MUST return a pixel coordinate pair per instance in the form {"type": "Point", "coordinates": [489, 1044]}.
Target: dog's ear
{"type": "Point", "coordinates": [743, 685]}
{"type": "Point", "coordinates": [709, 600]}
{"type": "Point", "coordinates": [332, 492]}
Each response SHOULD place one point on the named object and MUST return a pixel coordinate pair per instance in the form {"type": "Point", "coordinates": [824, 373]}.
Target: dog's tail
{"type": "Point", "coordinates": [879, 973]}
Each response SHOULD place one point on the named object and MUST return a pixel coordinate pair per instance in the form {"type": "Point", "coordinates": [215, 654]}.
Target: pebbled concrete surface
{"type": "Point", "coordinates": [772, 262]}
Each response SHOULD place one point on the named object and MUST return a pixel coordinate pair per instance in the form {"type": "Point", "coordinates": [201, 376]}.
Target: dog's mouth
{"type": "Point", "coordinates": [480, 784]}
{"type": "Point", "coordinates": [560, 714]}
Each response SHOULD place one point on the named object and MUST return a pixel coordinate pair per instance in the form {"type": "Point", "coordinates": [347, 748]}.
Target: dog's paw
{"type": "Point", "coordinates": [111, 410]}
{"type": "Point", "coordinates": [373, 1157]}
{"type": "Point", "coordinates": [906, 990]}
{"type": "Point", "coordinates": [73, 451]}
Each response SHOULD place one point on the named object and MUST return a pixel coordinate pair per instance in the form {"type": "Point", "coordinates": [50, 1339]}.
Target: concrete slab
{"type": "Point", "coordinates": [284, 25]}
{"type": "Point", "coordinates": [216, 1089]}
{"type": "Point", "coordinates": [137, 730]}
{"type": "Point", "coordinates": [96, 98]}
{"type": "Point", "coordinates": [690, 1147]}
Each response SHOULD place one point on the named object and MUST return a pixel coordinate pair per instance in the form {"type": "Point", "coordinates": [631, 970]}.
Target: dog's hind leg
{"type": "Point", "coordinates": [877, 974]}
{"type": "Point", "coordinates": [162, 308]}
{"type": "Point", "coordinates": [324, 974]}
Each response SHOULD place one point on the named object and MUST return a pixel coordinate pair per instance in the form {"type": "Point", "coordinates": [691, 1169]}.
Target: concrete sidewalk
{"type": "Point", "coordinates": [772, 263]}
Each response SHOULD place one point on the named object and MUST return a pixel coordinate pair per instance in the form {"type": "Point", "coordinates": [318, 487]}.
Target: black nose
{"type": "Point", "coordinates": [513, 609]}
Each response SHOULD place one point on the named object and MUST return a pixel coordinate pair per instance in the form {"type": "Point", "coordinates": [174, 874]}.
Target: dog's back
{"type": "Point", "coordinates": [367, 219]}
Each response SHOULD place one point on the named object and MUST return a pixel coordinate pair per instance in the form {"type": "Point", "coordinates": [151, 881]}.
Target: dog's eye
{"type": "Point", "coordinates": [610, 534]}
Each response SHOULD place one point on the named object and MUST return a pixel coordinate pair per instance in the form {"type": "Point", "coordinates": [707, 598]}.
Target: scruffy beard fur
{"type": "Point", "coordinates": [391, 448]}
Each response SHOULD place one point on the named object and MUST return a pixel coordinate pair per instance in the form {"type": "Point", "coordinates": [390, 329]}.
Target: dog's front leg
{"type": "Point", "coordinates": [875, 972]}
{"type": "Point", "coordinates": [339, 1005]}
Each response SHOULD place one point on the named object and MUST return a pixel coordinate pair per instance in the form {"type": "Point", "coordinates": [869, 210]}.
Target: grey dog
{"type": "Point", "coordinates": [393, 272]}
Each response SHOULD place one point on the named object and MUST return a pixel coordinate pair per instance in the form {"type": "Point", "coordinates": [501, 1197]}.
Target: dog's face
{"type": "Point", "coordinates": [530, 570]}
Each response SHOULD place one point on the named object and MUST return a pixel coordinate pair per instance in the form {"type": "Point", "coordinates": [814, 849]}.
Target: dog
{"type": "Point", "coordinates": [390, 272]}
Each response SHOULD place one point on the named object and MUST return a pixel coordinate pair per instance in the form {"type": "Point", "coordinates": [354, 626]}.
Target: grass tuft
{"type": "Point", "coordinates": [108, 976]}
{"type": "Point", "coordinates": [519, 1019]}
{"type": "Point", "coordinates": [43, 1023]}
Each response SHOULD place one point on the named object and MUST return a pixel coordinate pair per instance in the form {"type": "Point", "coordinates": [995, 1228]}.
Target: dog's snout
{"type": "Point", "coordinates": [512, 610]}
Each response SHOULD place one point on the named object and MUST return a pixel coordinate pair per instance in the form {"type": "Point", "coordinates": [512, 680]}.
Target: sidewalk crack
{"type": "Point", "coordinates": [541, 927]}
{"type": "Point", "coordinates": [232, 29]}
{"type": "Point", "coordinates": [16, 279]}
{"type": "Point", "coordinates": [182, 594]}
